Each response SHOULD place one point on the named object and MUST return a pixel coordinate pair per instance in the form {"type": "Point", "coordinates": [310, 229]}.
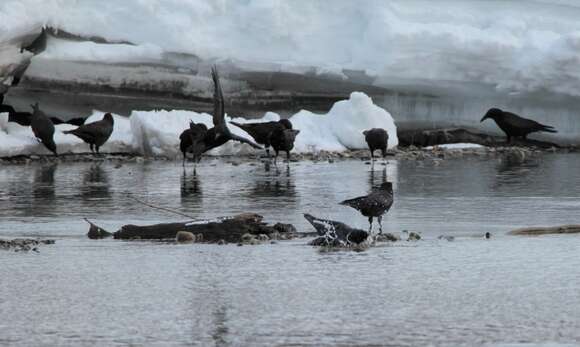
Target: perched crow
{"type": "Point", "coordinates": [513, 125]}
{"type": "Point", "coordinates": [333, 230]}
{"type": "Point", "coordinates": [261, 131]}
{"type": "Point", "coordinates": [42, 128]}
{"type": "Point", "coordinates": [376, 138]}
{"type": "Point", "coordinates": [191, 140]}
{"type": "Point", "coordinates": [95, 133]}
{"type": "Point", "coordinates": [283, 140]}
{"type": "Point", "coordinates": [375, 204]}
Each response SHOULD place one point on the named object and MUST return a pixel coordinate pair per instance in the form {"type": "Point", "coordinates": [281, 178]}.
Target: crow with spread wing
{"type": "Point", "coordinates": [213, 137]}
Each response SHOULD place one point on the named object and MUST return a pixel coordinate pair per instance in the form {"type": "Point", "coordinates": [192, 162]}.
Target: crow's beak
{"type": "Point", "coordinates": [484, 118]}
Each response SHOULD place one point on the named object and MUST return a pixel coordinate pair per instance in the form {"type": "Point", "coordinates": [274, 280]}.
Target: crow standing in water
{"type": "Point", "coordinates": [333, 230]}
{"type": "Point", "coordinates": [203, 140]}
{"type": "Point", "coordinates": [283, 140]}
{"type": "Point", "coordinates": [261, 132]}
{"type": "Point", "coordinates": [513, 125]}
{"type": "Point", "coordinates": [376, 138]}
{"type": "Point", "coordinates": [95, 133]}
{"type": "Point", "coordinates": [375, 204]}
{"type": "Point", "coordinates": [191, 140]}
{"type": "Point", "coordinates": [43, 128]}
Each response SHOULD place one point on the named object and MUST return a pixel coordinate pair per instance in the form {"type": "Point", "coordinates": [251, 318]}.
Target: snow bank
{"type": "Point", "coordinates": [517, 46]}
{"type": "Point", "coordinates": [17, 140]}
{"type": "Point", "coordinates": [456, 146]}
{"type": "Point", "coordinates": [156, 133]}
{"type": "Point", "coordinates": [341, 128]}
{"type": "Point", "coordinates": [59, 49]}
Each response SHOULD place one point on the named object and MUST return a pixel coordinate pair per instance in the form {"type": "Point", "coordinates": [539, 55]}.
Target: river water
{"type": "Point", "coordinates": [503, 291]}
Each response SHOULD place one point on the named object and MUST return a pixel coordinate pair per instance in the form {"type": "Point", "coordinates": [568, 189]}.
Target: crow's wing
{"type": "Point", "coordinates": [244, 140]}
{"type": "Point", "coordinates": [219, 121]}
{"type": "Point", "coordinates": [523, 123]}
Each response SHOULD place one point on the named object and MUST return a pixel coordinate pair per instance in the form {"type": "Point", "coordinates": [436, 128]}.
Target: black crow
{"type": "Point", "coordinates": [95, 133]}
{"type": "Point", "coordinates": [283, 140]}
{"type": "Point", "coordinates": [513, 125]}
{"type": "Point", "coordinates": [261, 131]}
{"type": "Point", "coordinates": [376, 138]}
{"type": "Point", "coordinates": [219, 134]}
{"type": "Point", "coordinates": [191, 140]}
{"type": "Point", "coordinates": [42, 128]}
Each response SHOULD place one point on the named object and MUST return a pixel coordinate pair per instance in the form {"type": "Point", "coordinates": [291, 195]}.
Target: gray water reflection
{"type": "Point", "coordinates": [467, 292]}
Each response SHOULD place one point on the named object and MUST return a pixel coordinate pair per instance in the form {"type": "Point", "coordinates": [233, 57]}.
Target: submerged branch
{"type": "Point", "coordinates": [159, 207]}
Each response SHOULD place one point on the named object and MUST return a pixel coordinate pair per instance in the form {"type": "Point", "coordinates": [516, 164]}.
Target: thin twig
{"type": "Point", "coordinates": [158, 207]}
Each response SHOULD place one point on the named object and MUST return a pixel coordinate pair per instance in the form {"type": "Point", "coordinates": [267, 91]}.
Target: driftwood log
{"type": "Point", "coordinates": [423, 138]}
{"type": "Point", "coordinates": [536, 231]}
{"type": "Point", "coordinates": [228, 229]}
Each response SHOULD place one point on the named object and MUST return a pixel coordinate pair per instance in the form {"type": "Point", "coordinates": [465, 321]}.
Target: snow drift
{"type": "Point", "coordinates": [156, 133]}
{"type": "Point", "coordinates": [517, 46]}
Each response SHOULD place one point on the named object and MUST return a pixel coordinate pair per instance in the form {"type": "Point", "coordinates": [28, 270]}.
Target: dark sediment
{"type": "Point", "coordinates": [23, 245]}
{"type": "Point", "coordinates": [494, 146]}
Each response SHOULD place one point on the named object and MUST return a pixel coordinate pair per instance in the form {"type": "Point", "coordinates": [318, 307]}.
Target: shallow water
{"type": "Point", "coordinates": [508, 290]}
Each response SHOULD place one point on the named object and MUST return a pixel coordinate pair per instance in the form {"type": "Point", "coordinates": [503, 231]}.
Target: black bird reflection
{"type": "Point", "coordinates": [95, 183]}
{"type": "Point", "coordinates": [374, 176]}
{"type": "Point", "coordinates": [42, 199]}
{"type": "Point", "coordinates": [190, 187]}
{"type": "Point", "coordinates": [275, 183]}
{"type": "Point", "coordinates": [43, 183]}
{"type": "Point", "coordinates": [514, 170]}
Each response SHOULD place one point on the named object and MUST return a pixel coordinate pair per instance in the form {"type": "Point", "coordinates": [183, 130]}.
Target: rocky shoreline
{"type": "Point", "coordinates": [404, 153]}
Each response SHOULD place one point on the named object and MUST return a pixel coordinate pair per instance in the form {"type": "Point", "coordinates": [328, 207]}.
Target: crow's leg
{"type": "Point", "coordinates": [380, 225]}
{"type": "Point", "coordinates": [370, 224]}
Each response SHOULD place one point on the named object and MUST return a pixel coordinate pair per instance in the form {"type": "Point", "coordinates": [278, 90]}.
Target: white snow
{"type": "Point", "coordinates": [341, 128]}
{"type": "Point", "coordinates": [516, 46]}
{"type": "Point", "coordinates": [456, 146]}
{"type": "Point", "coordinates": [156, 133]}
{"type": "Point", "coordinates": [17, 140]}
{"type": "Point", "coordinates": [59, 49]}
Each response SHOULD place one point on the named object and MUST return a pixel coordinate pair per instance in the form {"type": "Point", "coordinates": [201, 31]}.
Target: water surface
{"type": "Point", "coordinates": [508, 290]}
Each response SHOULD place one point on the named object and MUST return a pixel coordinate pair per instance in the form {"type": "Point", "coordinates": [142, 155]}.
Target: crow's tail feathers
{"type": "Point", "coordinates": [548, 128]}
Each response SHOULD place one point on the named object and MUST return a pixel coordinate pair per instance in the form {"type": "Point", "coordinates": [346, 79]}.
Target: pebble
{"type": "Point", "coordinates": [408, 153]}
